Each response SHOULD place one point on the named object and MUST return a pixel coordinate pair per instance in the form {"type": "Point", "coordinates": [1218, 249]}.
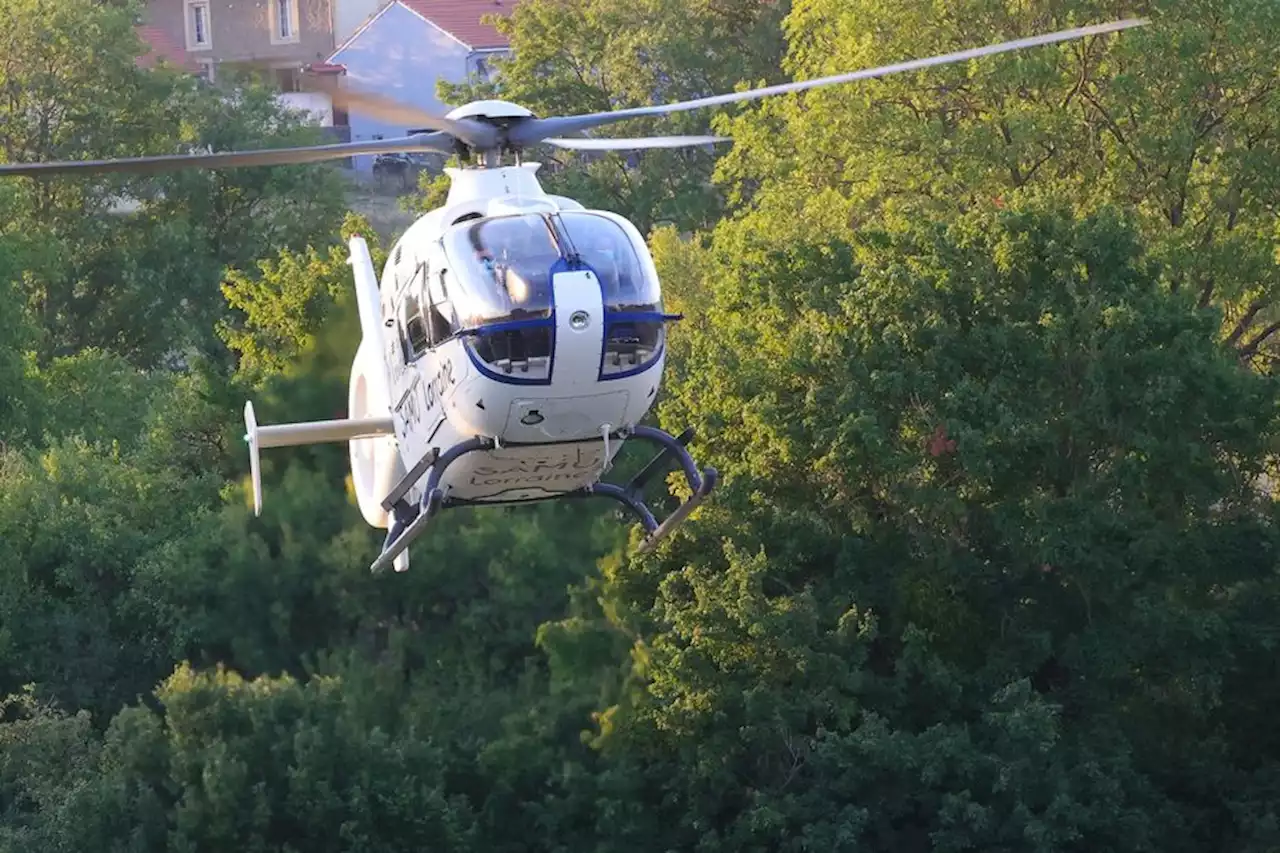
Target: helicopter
{"type": "Point", "coordinates": [515, 339]}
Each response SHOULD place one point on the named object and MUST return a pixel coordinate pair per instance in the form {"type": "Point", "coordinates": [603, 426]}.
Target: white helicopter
{"type": "Point", "coordinates": [516, 339]}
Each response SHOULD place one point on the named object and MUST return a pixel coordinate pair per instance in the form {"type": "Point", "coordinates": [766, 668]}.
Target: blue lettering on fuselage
{"type": "Point", "coordinates": [424, 399]}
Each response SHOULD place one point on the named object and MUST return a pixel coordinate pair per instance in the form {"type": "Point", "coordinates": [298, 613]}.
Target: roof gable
{"type": "Point", "coordinates": [461, 19]}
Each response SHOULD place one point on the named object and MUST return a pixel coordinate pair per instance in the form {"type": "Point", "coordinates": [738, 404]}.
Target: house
{"type": "Point", "coordinates": [282, 38]}
{"type": "Point", "coordinates": [407, 46]}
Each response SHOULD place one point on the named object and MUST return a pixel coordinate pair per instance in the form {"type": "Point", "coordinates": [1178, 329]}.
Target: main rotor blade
{"type": "Point", "coordinates": [533, 130]}
{"type": "Point", "coordinates": [636, 143]}
{"type": "Point", "coordinates": [384, 108]}
{"type": "Point", "coordinates": [262, 157]}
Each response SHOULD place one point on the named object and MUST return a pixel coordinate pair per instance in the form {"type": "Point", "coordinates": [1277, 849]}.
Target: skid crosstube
{"type": "Point", "coordinates": [409, 521]}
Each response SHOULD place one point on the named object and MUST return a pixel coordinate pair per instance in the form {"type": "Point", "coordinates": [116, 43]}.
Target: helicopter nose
{"type": "Point", "coordinates": [565, 418]}
{"type": "Point", "coordinates": [579, 329]}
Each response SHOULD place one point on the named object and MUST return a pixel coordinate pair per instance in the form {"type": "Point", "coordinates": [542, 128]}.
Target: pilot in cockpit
{"type": "Point", "coordinates": [524, 248]}
{"type": "Point", "coordinates": [483, 255]}
{"type": "Point", "coordinates": [513, 259]}
{"type": "Point", "coordinates": [602, 246]}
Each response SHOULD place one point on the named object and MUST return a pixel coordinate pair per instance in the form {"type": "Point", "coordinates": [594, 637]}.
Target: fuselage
{"type": "Point", "coordinates": [520, 316]}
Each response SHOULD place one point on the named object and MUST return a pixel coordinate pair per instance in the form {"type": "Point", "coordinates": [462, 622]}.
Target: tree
{"type": "Point", "coordinates": [114, 465]}
{"type": "Point", "coordinates": [125, 281]}
{"type": "Point", "coordinates": [989, 566]}
{"type": "Point", "coordinates": [45, 755]}
{"type": "Point", "coordinates": [239, 216]}
{"type": "Point", "coordinates": [987, 569]}
{"type": "Point", "coordinates": [268, 764]}
{"type": "Point", "coordinates": [15, 391]}
{"type": "Point", "coordinates": [296, 300]}
{"type": "Point", "coordinates": [1177, 121]}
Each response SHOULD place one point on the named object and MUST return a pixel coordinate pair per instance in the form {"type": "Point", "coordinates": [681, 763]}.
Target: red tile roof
{"type": "Point", "coordinates": [161, 46]}
{"type": "Point", "coordinates": [461, 19]}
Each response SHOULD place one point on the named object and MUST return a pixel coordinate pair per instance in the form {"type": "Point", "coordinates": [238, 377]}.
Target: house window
{"type": "Point", "coordinates": [206, 71]}
{"type": "Point", "coordinates": [198, 35]}
{"type": "Point", "coordinates": [284, 21]}
{"type": "Point", "coordinates": [284, 25]}
{"type": "Point", "coordinates": [288, 79]}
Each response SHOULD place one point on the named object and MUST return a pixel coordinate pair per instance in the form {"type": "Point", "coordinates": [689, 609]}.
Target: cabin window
{"type": "Point", "coordinates": [502, 269]}
{"type": "Point", "coordinates": [413, 322]}
{"type": "Point", "coordinates": [501, 289]}
{"type": "Point", "coordinates": [603, 245]}
{"type": "Point", "coordinates": [415, 328]}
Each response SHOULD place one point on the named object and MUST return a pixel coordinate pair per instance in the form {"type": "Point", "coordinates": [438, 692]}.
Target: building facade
{"type": "Point", "coordinates": [408, 46]}
{"type": "Point", "coordinates": [262, 34]}
{"type": "Point", "coordinates": [396, 48]}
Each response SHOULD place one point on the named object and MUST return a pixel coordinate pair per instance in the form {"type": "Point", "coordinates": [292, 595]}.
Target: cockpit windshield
{"type": "Point", "coordinates": [500, 294]}
{"type": "Point", "coordinates": [503, 269]}
{"type": "Point", "coordinates": [606, 248]}
{"type": "Point", "coordinates": [635, 330]}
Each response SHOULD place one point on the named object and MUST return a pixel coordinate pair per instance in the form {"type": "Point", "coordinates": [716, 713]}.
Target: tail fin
{"type": "Point", "coordinates": [366, 292]}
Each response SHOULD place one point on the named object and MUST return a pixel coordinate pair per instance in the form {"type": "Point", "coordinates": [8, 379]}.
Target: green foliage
{"type": "Point", "coordinates": [271, 760]}
{"type": "Point", "coordinates": [45, 756]}
{"type": "Point", "coordinates": [75, 520]}
{"type": "Point", "coordinates": [283, 306]}
{"type": "Point", "coordinates": [71, 85]}
{"type": "Point", "coordinates": [433, 191]}
{"type": "Point", "coordinates": [1176, 122]}
{"type": "Point", "coordinates": [992, 564]}
{"type": "Point", "coordinates": [141, 283]}
{"type": "Point", "coordinates": [962, 460]}
{"type": "Point", "coordinates": [16, 393]}
{"type": "Point", "coordinates": [265, 764]}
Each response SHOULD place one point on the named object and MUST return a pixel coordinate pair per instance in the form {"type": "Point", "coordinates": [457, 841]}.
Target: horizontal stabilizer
{"type": "Point", "coordinates": [304, 432]}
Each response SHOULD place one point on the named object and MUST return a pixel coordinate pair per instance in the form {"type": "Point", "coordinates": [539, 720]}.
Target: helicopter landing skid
{"type": "Point", "coordinates": [409, 522]}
